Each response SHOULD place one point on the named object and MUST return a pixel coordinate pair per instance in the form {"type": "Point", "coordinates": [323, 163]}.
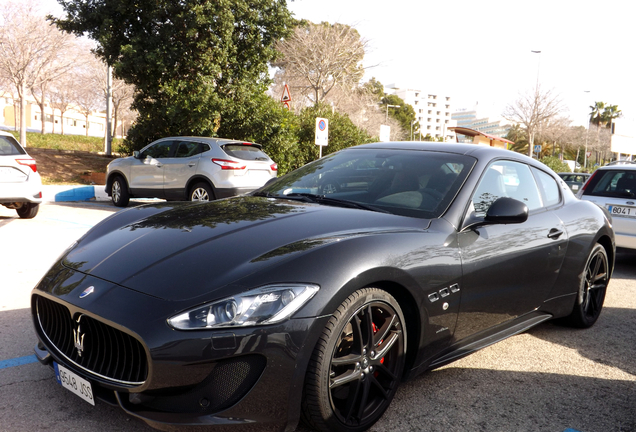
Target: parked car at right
{"type": "Point", "coordinates": [614, 187]}
{"type": "Point", "coordinates": [575, 181]}
{"type": "Point", "coordinates": [20, 182]}
{"type": "Point", "coordinates": [189, 169]}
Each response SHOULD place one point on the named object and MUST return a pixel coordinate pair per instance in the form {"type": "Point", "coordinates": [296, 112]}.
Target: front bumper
{"type": "Point", "coordinates": [232, 379]}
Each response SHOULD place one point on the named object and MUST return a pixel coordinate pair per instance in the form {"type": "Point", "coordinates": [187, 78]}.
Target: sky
{"type": "Point", "coordinates": [480, 51]}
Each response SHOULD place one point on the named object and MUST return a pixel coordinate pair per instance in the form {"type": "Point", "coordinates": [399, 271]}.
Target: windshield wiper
{"type": "Point", "coordinates": [323, 199]}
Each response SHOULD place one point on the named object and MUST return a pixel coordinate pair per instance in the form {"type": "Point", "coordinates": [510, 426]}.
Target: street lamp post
{"type": "Point", "coordinates": [587, 132]}
{"type": "Point", "coordinates": [536, 93]}
{"type": "Point", "coordinates": [387, 110]}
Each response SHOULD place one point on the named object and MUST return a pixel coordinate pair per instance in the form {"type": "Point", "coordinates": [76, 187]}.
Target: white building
{"type": "Point", "coordinates": [75, 123]}
{"type": "Point", "coordinates": [469, 118]}
{"type": "Point", "coordinates": [432, 111]}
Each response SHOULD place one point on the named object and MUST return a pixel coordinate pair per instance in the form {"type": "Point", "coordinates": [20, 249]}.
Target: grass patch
{"type": "Point", "coordinates": [67, 142]}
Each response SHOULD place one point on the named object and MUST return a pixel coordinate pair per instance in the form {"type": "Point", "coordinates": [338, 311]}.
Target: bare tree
{"type": "Point", "coordinates": [122, 93]}
{"type": "Point", "coordinates": [318, 58]}
{"type": "Point", "coordinates": [532, 110]}
{"type": "Point", "coordinates": [29, 47]}
{"type": "Point", "coordinates": [556, 131]}
{"type": "Point", "coordinates": [62, 96]}
{"type": "Point", "coordinates": [88, 96]}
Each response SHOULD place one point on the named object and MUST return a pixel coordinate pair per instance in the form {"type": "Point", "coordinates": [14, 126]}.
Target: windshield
{"type": "Point", "coordinates": [405, 182]}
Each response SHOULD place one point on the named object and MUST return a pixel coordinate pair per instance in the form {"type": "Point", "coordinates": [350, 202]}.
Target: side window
{"type": "Point", "coordinates": [549, 188]}
{"type": "Point", "coordinates": [159, 150]}
{"type": "Point", "coordinates": [187, 149]}
{"type": "Point", "coordinates": [506, 179]}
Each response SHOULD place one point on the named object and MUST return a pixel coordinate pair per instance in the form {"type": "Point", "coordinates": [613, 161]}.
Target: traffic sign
{"type": "Point", "coordinates": [537, 149]}
{"type": "Point", "coordinates": [322, 131]}
{"type": "Point", "coordinates": [286, 97]}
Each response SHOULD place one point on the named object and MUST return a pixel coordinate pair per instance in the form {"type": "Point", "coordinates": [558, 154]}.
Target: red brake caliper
{"type": "Point", "coordinates": [375, 330]}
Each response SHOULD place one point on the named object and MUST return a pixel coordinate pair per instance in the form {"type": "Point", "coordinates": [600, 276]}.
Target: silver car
{"type": "Point", "coordinates": [189, 168]}
{"type": "Point", "coordinates": [614, 187]}
{"type": "Point", "coordinates": [20, 182]}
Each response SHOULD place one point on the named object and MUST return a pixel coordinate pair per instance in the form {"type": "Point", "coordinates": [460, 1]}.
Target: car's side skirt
{"type": "Point", "coordinates": [467, 347]}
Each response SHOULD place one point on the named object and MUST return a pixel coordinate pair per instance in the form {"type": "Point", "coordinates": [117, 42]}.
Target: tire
{"type": "Point", "coordinates": [201, 192]}
{"type": "Point", "coordinates": [591, 295]}
{"type": "Point", "coordinates": [357, 364]}
{"type": "Point", "coordinates": [119, 192]}
{"type": "Point", "coordinates": [28, 210]}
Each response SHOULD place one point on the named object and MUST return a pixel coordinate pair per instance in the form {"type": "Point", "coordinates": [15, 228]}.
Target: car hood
{"type": "Point", "coordinates": [186, 250]}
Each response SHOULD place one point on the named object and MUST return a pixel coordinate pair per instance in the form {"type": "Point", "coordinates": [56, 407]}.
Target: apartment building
{"type": "Point", "coordinates": [432, 111]}
{"type": "Point", "coordinates": [469, 118]}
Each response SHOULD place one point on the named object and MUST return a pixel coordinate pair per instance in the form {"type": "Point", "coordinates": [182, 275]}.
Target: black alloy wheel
{"type": "Point", "coordinates": [594, 281]}
{"type": "Point", "coordinates": [119, 192]}
{"type": "Point", "coordinates": [357, 364]}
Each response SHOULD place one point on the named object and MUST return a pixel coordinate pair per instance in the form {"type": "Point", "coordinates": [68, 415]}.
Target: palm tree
{"type": "Point", "coordinates": [596, 117]}
{"type": "Point", "coordinates": [610, 113]}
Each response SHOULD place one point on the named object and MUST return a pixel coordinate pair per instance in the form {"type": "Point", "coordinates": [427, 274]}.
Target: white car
{"type": "Point", "coordinates": [614, 187]}
{"type": "Point", "coordinates": [189, 168]}
{"type": "Point", "coordinates": [20, 182]}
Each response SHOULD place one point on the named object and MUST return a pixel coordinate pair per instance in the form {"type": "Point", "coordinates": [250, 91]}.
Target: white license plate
{"type": "Point", "coordinates": [621, 211]}
{"type": "Point", "coordinates": [73, 382]}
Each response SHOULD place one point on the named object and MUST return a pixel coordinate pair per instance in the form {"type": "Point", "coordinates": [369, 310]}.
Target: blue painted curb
{"type": "Point", "coordinates": [81, 193]}
{"type": "Point", "coordinates": [18, 361]}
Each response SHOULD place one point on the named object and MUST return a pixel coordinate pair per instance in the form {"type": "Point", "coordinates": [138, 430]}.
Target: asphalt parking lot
{"type": "Point", "coordinates": [547, 379]}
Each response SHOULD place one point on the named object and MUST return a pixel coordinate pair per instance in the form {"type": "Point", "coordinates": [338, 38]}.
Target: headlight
{"type": "Point", "coordinates": [268, 305]}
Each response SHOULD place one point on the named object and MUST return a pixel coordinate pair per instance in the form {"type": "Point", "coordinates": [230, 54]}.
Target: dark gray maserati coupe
{"type": "Point", "coordinates": [316, 295]}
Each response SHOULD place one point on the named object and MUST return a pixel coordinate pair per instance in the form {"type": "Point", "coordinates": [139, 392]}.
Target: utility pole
{"type": "Point", "coordinates": [109, 111]}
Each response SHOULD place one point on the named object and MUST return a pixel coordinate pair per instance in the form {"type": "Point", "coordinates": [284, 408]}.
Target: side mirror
{"type": "Point", "coordinates": [503, 211]}
{"type": "Point", "coordinates": [136, 154]}
{"type": "Point", "coordinates": [507, 211]}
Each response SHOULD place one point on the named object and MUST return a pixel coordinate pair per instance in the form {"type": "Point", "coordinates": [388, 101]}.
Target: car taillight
{"type": "Point", "coordinates": [587, 183]}
{"type": "Point", "coordinates": [28, 162]}
{"type": "Point", "coordinates": [229, 164]}
{"type": "Point", "coordinates": [274, 167]}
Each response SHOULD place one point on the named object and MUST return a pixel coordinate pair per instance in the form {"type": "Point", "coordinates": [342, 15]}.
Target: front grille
{"type": "Point", "coordinates": [106, 352]}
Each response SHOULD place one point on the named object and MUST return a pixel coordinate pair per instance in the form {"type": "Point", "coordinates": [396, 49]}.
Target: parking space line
{"type": "Point", "coordinates": [18, 361]}
{"type": "Point", "coordinates": [69, 222]}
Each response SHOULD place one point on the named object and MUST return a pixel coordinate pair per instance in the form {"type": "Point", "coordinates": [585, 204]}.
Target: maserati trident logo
{"type": "Point", "coordinates": [78, 337]}
{"type": "Point", "coordinates": [88, 291]}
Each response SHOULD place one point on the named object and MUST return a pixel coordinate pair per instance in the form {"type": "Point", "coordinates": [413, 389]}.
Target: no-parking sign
{"type": "Point", "coordinates": [322, 131]}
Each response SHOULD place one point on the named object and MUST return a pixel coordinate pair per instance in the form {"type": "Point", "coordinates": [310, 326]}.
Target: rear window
{"type": "Point", "coordinates": [245, 152]}
{"type": "Point", "coordinates": [613, 183]}
{"type": "Point", "coordinates": [9, 146]}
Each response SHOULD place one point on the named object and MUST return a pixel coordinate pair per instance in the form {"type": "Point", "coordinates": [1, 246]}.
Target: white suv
{"type": "Point", "coordinates": [614, 187]}
{"type": "Point", "coordinates": [189, 168]}
{"type": "Point", "coordinates": [20, 182]}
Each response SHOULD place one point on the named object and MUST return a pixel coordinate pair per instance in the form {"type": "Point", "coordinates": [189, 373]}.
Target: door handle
{"type": "Point", "coordinates": [191, 164]}
{"type": "Point", "coordinates": [555, 233]}
{"type": "Point", "coordinates": [159, 165]}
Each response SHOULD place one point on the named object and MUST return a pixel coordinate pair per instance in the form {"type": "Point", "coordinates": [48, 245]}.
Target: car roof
{"type": "Point", "coordinates": [476, 151]}
{"type": "Point", "coordinates": [619, 167]}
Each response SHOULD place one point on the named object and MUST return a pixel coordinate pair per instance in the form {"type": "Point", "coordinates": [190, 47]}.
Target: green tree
{"type": "Point", "coordinates": [342, 134]}
{"type": "Point", "coordinates": [375, 88]}
{"type": "Point", "coordinates": [190, 61]}
{"type": "Point", "coordinates": [611, 113]}
{"type": "Point", "coordinates": [263, 120]}
{"type": "Point", "coordinates": [518, 136]}
{"type": "Point", "coordinates": [555, 164]}
{"type": "Point", "coordinates": [405, 114]}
